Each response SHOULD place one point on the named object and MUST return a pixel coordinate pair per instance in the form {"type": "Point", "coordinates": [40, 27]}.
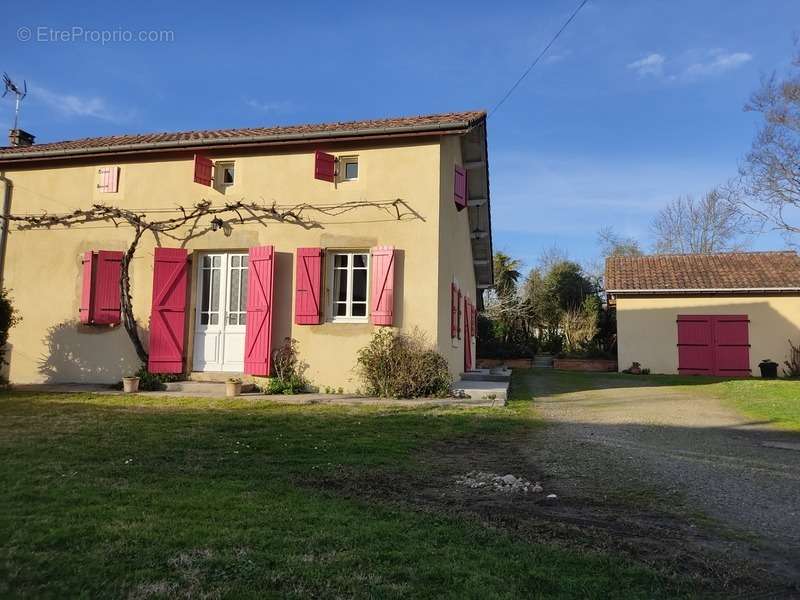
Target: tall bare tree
{"type": "Point", "coordinates": [770, 176]}
{"type": "Point", "coordinates": [689, 226]}
{"type": "Point", "coordinates": [613, 243]}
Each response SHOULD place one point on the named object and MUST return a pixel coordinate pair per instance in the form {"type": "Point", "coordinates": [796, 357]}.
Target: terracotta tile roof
{"type": "Point", "coordinates": [680, 272]}
{"type": "Point", "coordinates": [390, 126]}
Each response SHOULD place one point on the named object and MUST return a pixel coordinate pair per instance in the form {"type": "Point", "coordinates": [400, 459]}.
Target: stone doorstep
{"type": "Point", "coordinates": [487, 391]}
{"type": "Point", "coordinates": [204, 387]}
{"type": "Point", "coordinates": [495, 374]}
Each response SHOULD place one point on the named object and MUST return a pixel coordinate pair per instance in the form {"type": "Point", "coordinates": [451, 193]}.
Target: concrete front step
{"type": "Point", "coordinates": [487, 375]}
{"type": "Point", "coordinates": [221, 377]}
{"type": "Point", "coordinates": [493, 391]}
{"type": "Point", "coordinates": [203, 388]}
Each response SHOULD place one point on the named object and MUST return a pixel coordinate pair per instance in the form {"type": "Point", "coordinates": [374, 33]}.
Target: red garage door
{"type": "Point", "coordinates": [714, 345]}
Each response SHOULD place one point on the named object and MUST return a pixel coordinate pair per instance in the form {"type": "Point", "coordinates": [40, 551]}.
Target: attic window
{"type": "Point", "coordinates": [227, 174]}
{"type": "Point", "coordinates": [348, 167]}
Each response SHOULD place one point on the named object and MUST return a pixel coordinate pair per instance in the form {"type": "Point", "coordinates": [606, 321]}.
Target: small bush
{"type": "Point", "coordinates": [401, 365]}
{"type": "Point", "coordinates": [8, 318]}
{"type": "Point", "coordinates": [289, 370]}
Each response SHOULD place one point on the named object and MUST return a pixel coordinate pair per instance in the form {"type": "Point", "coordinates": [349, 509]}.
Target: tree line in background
{"type": "Point", "coordinates": [556, 309]}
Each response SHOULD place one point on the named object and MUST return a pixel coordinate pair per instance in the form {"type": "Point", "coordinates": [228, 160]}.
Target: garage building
{"type": "Point", "coordinates": [705, 314]}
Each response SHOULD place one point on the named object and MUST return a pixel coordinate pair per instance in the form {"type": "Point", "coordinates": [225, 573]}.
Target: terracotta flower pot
{"type": "Point", "coordinates": [130, 385]}
{"type": "Point", "coordinates": [233, 388]}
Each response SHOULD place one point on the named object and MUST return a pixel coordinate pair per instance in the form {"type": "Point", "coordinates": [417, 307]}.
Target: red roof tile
{"type": "Point", "coordinates": [680, 272]}
{"type": "Point", "coordinates": [391, 126]}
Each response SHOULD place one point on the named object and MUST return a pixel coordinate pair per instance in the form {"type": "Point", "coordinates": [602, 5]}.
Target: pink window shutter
{"type": "Point", "coordinates": [109, 180]}
{"type": "Point", "coordinates": [382, 292]}
{"type": "Point", "coordinates": [168, 311]}
{"type": "Point", "coordinates": [203, 170]}
{"type": "Point", "coordinates": [258, 332]}
{"type": "Point", "coordinates": [324, 166]}
{"type": "Point", "coordinates": [467, 337]}
{"type": "Point", "coordinates": [106, 297]}
{"type": "Point", "coordinates": [308, 286]}
{"type": "Point", "coordinates": [86, 310]}
{"type": "Point", "coordinates": [460, 187]}
{"type": "Point", "coordinates": [458, 316]}
{"type": "Point", "coordinates": [453, 310]}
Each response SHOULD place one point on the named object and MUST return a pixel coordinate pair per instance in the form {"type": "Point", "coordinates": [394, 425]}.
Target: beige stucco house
{"type": "Point", "coordinates": [394, 230]}
{"type": "Point", "coordinates": [713, 314]}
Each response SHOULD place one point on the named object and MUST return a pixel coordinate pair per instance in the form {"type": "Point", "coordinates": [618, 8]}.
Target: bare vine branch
{"type": "Point", "coordinates": [240, 212]}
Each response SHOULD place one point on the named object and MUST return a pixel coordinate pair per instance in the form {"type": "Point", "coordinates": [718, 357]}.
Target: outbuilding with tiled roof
{"type": "Point", "coordinates": [705, 314]}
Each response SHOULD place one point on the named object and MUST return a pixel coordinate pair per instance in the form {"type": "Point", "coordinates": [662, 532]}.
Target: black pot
{"type": "Point", "coordinates": [769, 369]}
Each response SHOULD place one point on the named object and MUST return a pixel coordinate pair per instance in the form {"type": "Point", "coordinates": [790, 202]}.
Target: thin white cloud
{"type": "Point", "coordinates": [652, 64]}
{"type": "Point", "coordinates": [557, 57]}
{"type": "Point", "coordinates": [73, 105]}
{"type": "Point", "coordinates": [690, 66]}
{"type": "Point", "coordinates": [719, 62]}
{"type": "Point", "coordinates": [277, 106]}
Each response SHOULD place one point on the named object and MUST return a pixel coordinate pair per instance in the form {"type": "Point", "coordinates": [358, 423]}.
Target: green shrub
{"type": "Point", "coordinates": [401, 365]}
{"type": "Point", "coordinates": [8, 318]}
{"type": "Point", "coordinates": [289, 370]}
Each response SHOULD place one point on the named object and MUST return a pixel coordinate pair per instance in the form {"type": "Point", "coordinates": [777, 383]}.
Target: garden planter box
{"type": "Point", "coordinates": [585, 364]}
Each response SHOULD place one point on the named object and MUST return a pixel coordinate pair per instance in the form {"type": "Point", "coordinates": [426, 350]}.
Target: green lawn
{"type": "Point", "coordinates": [139, 497]}
{"type": "Point", "coordinates": [777, 400]}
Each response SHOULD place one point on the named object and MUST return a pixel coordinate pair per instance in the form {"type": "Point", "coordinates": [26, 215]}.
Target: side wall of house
{"type": "Point", "coordinates": [647, 329]}
{"type": "Point", "coordinates": [43, 267]}
{"type": "Point", "coordinates": [455, 258]}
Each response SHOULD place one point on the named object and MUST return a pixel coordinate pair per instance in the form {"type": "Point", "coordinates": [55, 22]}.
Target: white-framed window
{"type": "Point", "coordinates": [348, 168]}
{"type": "Point", "coordinates": [226, 174]}
{"type": "Point", "coordinates": [348, 275]}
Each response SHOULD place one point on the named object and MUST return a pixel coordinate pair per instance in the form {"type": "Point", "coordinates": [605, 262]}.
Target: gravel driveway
{"type": "Point", "coordinates": [609, 432]}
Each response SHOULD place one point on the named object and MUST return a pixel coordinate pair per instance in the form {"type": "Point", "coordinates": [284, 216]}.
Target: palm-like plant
{"type": "Point", "coordinates": [506, 275]}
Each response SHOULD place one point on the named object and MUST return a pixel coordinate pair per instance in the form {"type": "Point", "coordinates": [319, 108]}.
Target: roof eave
{"type": "Point", "coordinates": [678, 291]}
{"type": "Point", "coordinates": [436, 129]}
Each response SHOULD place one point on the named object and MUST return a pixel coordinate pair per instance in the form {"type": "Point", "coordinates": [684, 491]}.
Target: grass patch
{"type": "Point", "coordinates": [775, 400]}
{"type": "Point", "coordinates": [148, 497]}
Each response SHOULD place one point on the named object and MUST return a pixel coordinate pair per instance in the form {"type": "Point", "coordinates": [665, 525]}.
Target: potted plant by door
{"type": "Point", "coordinates": [130, 384]}
{"type": "Point", "coordinates": [769, 368]}
{"type": "Point", "coordinates": [233, 387]}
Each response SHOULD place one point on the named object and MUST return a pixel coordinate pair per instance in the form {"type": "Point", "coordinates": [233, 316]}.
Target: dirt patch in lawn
{"type": "Point", "coordinates": [631, 524]}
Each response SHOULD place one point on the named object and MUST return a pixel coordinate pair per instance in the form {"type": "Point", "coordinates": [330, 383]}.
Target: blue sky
{"type": "Point", "coordinates": [638, 102]}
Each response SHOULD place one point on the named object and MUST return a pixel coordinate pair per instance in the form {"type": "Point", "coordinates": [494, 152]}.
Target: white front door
{"type": "Point", "coordinates": [221, 312]}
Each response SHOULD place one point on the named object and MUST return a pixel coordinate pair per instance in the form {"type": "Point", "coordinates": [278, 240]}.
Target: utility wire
{"type": "Point", "coordinates": [538, 58]}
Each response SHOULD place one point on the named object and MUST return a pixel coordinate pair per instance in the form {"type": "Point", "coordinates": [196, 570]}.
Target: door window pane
{"type": "Point", "coordinates": [233, 304]}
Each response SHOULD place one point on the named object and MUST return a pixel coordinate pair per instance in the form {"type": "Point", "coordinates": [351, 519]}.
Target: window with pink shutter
{"type": "Point", "coordinates": [324, 166]}
{"type": "Point", "coordinates": [382, 296]}
{"type": "Point", "coordinates": [108, 180]}
{"type": "Point", "coordinates": [460, 187]}
{"type": "Point", "coordinates": [203, 170]}
{"type": "Point", "coordinates": [308, 286]}
{"type": "Point", "coordinates": [100, 289]}
{"type": "Point", "coordinates": [453, 310]}
{"type": "Point", "coordinates": [458, 316]}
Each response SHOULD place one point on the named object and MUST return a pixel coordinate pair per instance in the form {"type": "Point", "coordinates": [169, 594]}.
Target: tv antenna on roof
{"type": "Point", "coordinates": [12, 87]}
